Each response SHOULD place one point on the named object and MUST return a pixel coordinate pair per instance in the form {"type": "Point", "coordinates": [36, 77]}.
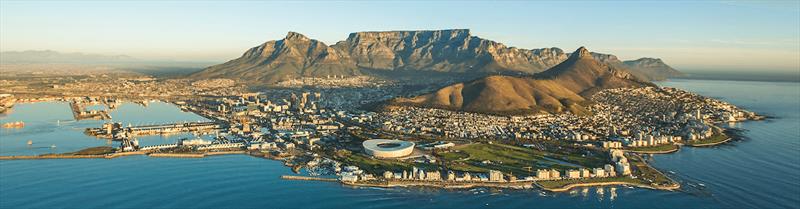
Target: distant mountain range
{"type": "Point", "coordinates": [48, 56]}
{"type": "Point", "coordinates": [404, 51]}
{"type": "Point", "coordinates": [565, 87]}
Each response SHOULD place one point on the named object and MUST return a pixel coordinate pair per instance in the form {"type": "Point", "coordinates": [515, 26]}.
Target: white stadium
{"type": "Point", "coordinates": [385, 148]}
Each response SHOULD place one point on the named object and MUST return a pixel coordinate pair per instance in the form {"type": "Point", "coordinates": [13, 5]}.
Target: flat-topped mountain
{"type": "Point", "coordinates": [444, 51]}
{"type": "Point", "coordinates": [414, 52]}
{"type": "Point", "coordinates": [562, 88]}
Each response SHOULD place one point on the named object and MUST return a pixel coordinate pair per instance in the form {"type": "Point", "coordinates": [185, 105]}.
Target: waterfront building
{"type": "Point", "coordinates": [433, 176]}
{"type": "Point", "coordinates": [222, 146]}
{"type": "Point", "coordinates": [555, 174]}
{"type": "Point", "coordinates": [573, 174]}
{"type": "Point", "coordinates": [585, 173]}
{"type": "Point", "coordinates": [624, 168]}
{"type": "Point", "coordinates": [599, 172]}
{"type": "Point", "coordinates": [542, 174]}
{"type": "Point", "coordinates": [388, 175]}
{"type": "Point", "coordinates": [451, 176]}
{"type": "Point", "coordinates": [609, 170]}
{"type": "Point", "coordinates": [349, 177]}
{"type": "Point", "coordinates": [495, 176]}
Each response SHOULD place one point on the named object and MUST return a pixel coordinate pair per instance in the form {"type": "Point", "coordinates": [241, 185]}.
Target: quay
{"type": "Point", "coordinates": [79, 113]}
{"type": "Point", "coordinates": [110, 130]}
{"type": "Point", "coordinates": [173, 128]}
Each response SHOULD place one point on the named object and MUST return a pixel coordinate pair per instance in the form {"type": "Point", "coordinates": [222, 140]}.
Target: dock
{"type": "Point", "coordinates": [79, 113]}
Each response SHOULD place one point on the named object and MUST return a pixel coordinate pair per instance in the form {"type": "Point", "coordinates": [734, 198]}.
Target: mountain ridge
{"type": "Point", "coordinates": [451, 50]}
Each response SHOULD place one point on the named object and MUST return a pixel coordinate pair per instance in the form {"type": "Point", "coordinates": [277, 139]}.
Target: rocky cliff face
{"type": "Point", "coordinates": [443, 50]}
{"type": "Point", "coordinates": [404, 51]}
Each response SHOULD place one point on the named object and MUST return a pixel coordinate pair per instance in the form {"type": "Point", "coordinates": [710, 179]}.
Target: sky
{"type": "Point", "coordinates": [689, 35]}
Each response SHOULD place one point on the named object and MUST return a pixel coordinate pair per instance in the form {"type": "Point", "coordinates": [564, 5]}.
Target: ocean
{"type": "Point", "coordinates": [760, 171]}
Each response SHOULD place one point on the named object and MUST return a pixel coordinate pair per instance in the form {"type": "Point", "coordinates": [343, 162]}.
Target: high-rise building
{"type": "Point", "coordinates": [495, 176]}
{"type": "Point", "coordinates": [542, 174]}
{"type": "Point", "coordinates": [554, 174]}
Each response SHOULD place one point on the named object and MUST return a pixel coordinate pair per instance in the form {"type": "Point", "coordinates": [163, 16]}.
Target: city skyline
{"type": "Point", "coordinates": [734, 36]}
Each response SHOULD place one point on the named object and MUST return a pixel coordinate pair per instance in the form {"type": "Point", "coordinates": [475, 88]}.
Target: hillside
{"type": "Point", "coordinates": [562, 88]}
{"type": "Point", "coordinates": [293, 56]}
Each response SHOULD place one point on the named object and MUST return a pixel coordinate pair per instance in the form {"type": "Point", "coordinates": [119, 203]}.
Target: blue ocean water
{"type": "Point", "coordinates": [758, 172]}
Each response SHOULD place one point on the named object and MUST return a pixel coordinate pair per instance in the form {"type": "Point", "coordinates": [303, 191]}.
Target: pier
{"type": "Point", "coordinates": [79, 113]}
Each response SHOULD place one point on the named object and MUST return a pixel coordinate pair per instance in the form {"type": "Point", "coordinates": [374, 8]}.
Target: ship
{"type": "Point", "coordinates": [18, 124]}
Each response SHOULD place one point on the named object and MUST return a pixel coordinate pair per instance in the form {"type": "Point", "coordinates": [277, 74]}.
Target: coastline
{"type": "Point", "coordinates": [727, 139]}
{"type": "Point", "coordinates": [121, 154]}
{"type": "Point", "coordinates": [610, 183]}
{"type": "Point", "coordinates": [468, 185]}
{"type": "Point", "coordinates": [442, 184]}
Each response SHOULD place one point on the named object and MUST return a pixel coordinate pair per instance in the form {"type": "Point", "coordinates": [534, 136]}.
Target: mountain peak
{"type": "Point", "coordinates": [581, 53]}
{"type": "Point", "coordinates": [295, 36]}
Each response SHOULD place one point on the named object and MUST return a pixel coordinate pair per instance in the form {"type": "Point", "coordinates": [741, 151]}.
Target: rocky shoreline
{"type": "Point", "coordinates": [468, 185]}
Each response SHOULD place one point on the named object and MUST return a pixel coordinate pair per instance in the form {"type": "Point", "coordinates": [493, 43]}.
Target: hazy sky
{"type": "Point", "coordinates": [686, 34]}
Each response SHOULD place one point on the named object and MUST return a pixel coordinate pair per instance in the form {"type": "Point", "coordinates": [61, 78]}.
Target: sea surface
{"type": "Point", "coordinates": [760, 171]}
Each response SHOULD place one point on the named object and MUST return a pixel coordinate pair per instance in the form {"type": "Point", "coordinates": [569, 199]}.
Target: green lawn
{"type": "Point", "coordinates": [509, 158]}
{"type": "Point", "coordinates": [663, 147]}
{"type": "Point", "coordinates": [646, 173]}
